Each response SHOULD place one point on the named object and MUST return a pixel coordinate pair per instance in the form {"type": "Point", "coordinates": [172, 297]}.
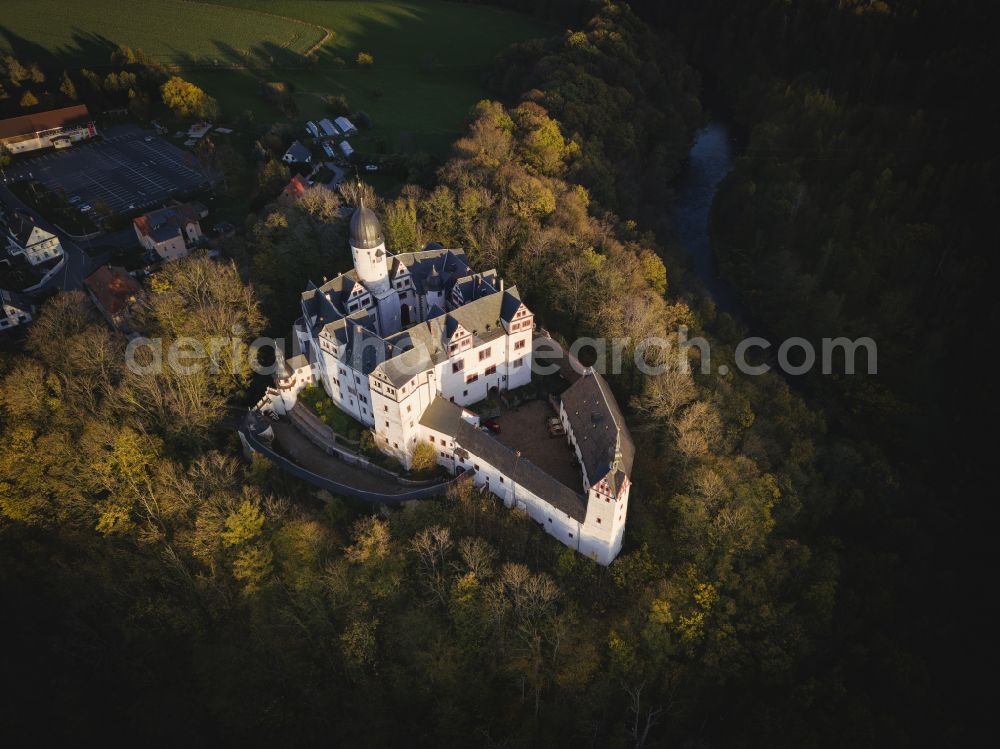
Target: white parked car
{"type": "Point", "coordinates": [371, 167]}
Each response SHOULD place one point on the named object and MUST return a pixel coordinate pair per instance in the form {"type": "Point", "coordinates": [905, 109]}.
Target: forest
{"type": "Point", "coordinates": [800, 559]}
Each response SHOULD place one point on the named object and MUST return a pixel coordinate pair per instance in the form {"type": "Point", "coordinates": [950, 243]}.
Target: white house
{"type": "Point", "coordinates": [171, 232]}
{"type": "Point", "coordinates": [404, 343]}
{"type": "Point", "coordinates": [25, 237]}
{"type": "Point", "coordinates": [14, 310]}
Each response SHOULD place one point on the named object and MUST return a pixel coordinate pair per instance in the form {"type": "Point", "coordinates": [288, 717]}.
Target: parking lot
{"type": "Point", "coordinates": [129, 168]}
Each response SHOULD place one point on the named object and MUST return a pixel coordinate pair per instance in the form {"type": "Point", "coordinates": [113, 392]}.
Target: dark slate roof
{"type": "Point", "coordinates": [521, 471]}
{"type": "Point", "coordinates": [15, 300]}
{"type": "Point", "coordinates": [365, 350]}
{"type": "Point", "coordinates": [484, 317]}
{"type": "Point", "coordinates": [469, 288]}
{"type": "Point", "coordinates": [598, 427]}
{"type": "Point", "coordinates": [366, 231]}
{"type": "Point", "coordinates": [298, 152]}
{"type": "Point", "coordinates": [445, 267]}
{"type": "Point", "coordinates": [442, 416]}
{"type": "Point", "coordinates": [21, 226]}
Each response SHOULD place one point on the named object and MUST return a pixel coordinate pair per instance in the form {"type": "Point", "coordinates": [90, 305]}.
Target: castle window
{"type": "Point", "coordinates": [409, 408]}
{"type": "Point", "coordinates": [598, 520]}
{"type": "Point", "coordinates": [517, 363]}
{"type": "Point", "coordinates": [465, 394]}
{"type": "Point", "coordinates": [396, 445]}
{"type": "Point", "coordinates": [432, 438]}
{"type": "Point", "coordinates": [457, 366]}
{"type": "Point", "coordinates": [385, 408]}
{"type": "Point", "coordinates": [519, 344]}
{"type": "Point", "coordinates": [571, 535]}
{"type": "Point", "coordinates": [501, 479]}
{"type": "Point", "coordinates": [550, 520]}
{"type": "Point", "coordinates": [471, 378]}
{"type": "Point", "coordinates": [387, 425]}
{"type": "Point", "coordinates": [484, 354]}
{"type": "Point", "coordinates": [492, 369]}
{"type": "Point", "coordinates": [475, 466]}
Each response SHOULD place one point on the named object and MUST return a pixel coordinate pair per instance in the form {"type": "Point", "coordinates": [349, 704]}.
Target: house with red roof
{"type": "Point", "coordinates": [113, 291]}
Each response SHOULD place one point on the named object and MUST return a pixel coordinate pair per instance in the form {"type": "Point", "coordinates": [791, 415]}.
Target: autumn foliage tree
{"type": "Point", "coordinates": [187, 100]}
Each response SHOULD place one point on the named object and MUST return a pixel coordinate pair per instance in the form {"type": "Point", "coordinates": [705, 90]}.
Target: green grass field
{"type": "Point", "coordinates": [170, 31]}
{"type": "Point", "coordinates": [430, 56]}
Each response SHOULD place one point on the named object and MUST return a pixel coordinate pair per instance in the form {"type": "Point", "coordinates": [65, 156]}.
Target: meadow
{"type": "Point", "coordinates": [430, 56]}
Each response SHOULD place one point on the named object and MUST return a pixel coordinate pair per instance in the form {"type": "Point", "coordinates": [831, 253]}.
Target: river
{"type": "Point", "coordinates": [710, 160]}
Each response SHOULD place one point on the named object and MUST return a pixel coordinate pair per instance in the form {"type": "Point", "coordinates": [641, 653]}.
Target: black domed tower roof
{"type": "Point", "coordinates": [366, 231]}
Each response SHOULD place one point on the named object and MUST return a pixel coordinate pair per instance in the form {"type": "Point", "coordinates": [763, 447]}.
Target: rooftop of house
{"type": "Point", "coordinates": [164, 223]}
{"type": "Point", "coordinates": [599, 429]}
{"type": "Point", "coordinates": [296, 187]}
{"type": "Point", "coordinates": [299, 152]}
{"type": "Point", "coordinates": [13, 300]}
{"type": "Point", "coordinates": [21, 225]}
{"type": "Point", "coordinates": [113, 288]}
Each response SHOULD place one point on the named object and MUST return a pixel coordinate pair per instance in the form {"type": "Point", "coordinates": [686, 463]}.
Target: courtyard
{"type": "Point", "coordinates": [524, 428]}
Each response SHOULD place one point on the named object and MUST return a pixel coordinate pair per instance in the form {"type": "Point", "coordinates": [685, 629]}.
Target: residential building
{"type": "Point", "coordinates": [296, 187]}
{"type": "Point", "coordinates": [14, 310]}
{"type": "Point", "coordinates": [297, 154]}
{"type": "Point", "coordinates": [171, 232]}
{"type": "Point", "coordinates": [28, 239]}
{"type": "Point", "coordinates": [53, 128]}
{"type": "Point", "coordinates": [113, 291]}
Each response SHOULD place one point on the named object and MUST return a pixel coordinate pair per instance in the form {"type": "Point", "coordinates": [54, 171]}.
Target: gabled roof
{"type": "Point", "coordinates": [298, 152]}
{"type": "Point", "coordinates": [113, 288]}
{"type": "Point", "coordinates": [296, 187]}
{"type": "Point", "coordinates": [598, 427]}
{"type": "Point", "coordinates": [21, 226]}
{"type": "Point", "coordinates": [15, 300]}
{"type": "Point", "coordinates": [164, 223]}
{"type": "Point", "coordinates": [484, 317]}
{"type": "Point", "coordinates": [28, 124]}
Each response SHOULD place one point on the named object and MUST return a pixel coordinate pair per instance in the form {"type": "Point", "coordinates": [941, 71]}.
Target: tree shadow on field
{"type": "Point", "coordinates": [86, 49]}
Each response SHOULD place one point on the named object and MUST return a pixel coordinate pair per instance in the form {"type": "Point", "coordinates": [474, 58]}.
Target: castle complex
{"type": "Point", "coordinates": [403, 343]}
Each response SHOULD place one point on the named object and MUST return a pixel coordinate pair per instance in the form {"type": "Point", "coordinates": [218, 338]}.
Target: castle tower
{"type": "Point", "coordinates": [371, 264]}
{"type": "Point", "coordinates": [368, 250]}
